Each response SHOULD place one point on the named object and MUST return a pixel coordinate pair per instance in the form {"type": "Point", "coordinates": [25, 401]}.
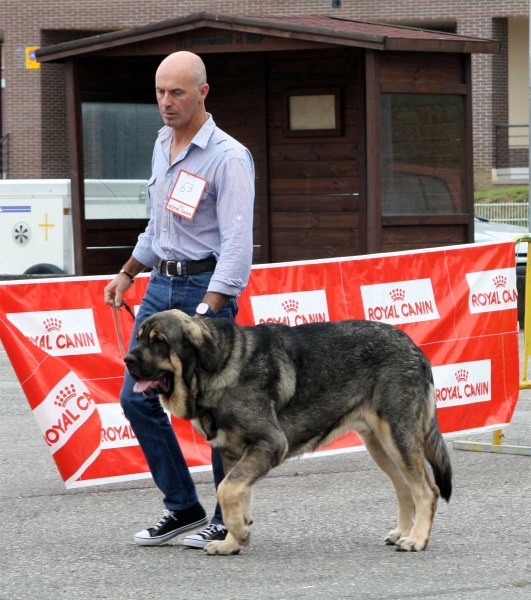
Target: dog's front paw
{"type": "Point", "coordinates": [392, 537]}
{"type": "Point", "coordinates": [407, 544]}
{"type": "Point", "coordinates": [224, 548]}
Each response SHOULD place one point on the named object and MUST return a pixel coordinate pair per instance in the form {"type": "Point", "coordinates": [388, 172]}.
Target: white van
{"type": "Point", "coordinates": [36, 233]}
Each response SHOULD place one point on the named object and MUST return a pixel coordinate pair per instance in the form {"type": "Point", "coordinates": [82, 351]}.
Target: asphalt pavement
{"type": "Point", "coordinates": [318, 531]}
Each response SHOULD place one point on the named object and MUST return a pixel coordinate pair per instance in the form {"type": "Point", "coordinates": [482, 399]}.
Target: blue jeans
{"type": "Point", "coordinates": [148, 420]}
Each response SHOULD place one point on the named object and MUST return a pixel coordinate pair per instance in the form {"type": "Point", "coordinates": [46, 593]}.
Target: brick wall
{"type": "Point", "coordinates": [489, 93]}
{"type": "Point", "coordinates": [35, 112]}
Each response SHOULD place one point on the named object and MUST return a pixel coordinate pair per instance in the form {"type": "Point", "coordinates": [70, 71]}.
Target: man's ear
{"type": "Point", "coordinates": [197, 334]}
{"type": "Point", "coordinates": [203, 92]}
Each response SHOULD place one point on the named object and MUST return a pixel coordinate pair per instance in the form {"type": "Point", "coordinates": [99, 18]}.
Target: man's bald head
{"type": "Point", "coordinates": [184, 63]}
{"type": "Point", "coordinates": [181, 88]}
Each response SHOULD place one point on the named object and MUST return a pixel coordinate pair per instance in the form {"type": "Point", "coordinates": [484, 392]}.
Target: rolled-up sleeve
{"type": "Point", "coordinates": [143, 251]}
{"type": "Point", "coordinates": [235, 201]}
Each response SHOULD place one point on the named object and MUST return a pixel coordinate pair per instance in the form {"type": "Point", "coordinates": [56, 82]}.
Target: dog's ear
{"type": "Point", "coordinates": [197, 334]}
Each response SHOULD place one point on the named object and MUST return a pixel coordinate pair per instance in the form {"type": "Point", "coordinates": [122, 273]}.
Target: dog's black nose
{"type": "Point", "coordinates": [129, 359]}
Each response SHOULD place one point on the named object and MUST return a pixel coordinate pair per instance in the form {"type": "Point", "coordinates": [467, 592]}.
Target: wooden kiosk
{"type": "Point", "coordinates": [361, 133]}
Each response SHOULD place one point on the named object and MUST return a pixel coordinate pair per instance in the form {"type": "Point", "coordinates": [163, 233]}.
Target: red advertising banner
{"type": "Point", "coordinates": [459, 304]}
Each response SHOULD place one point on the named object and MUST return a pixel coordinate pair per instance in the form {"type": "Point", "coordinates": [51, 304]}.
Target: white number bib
{"type": "Point", "coordinates": [186, 195]}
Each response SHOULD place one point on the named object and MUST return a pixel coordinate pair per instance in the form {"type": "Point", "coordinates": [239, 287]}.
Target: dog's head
{"type": "Point", "coordinates": [170, 347]}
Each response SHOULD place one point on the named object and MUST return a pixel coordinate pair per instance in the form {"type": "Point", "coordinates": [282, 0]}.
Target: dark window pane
{"type": "Point", "coordinates": [118, 144]}
{"type": "Point", "coordinates": [118, 139]}
{"type": "Point", "coordinates": [422, 153]}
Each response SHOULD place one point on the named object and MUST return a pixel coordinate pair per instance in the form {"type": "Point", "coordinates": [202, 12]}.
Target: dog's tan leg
{"type": "Point", "coordinates": [246, 507]}
{"type": "Point", "coordinates": [231, 498]}
{"type": "Point", "coordinates": [234, 492]}
{"type": "Point", "coordinates": [229, 461]}
{"type": "Point", "coordinates": [408, 457]}
{"type": "Point", "coordinates": [426, 496]}
{"type": "Point", "coordinates": [406, 505]}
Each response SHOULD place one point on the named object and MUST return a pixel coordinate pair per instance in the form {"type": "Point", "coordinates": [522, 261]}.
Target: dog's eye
{"type": "Point", "coordinates": [159, 340]}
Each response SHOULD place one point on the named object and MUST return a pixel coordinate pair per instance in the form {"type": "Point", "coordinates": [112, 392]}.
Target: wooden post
{"type": "Point", "coordinates": [263, 161]}
{"type": "Point", "coordinates": [373, 153]}
{"type": "Point", "coordinates": [77, 174]}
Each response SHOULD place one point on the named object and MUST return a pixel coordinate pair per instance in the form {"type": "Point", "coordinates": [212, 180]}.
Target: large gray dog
{"type": "Point", "coordinates": [265, 393]}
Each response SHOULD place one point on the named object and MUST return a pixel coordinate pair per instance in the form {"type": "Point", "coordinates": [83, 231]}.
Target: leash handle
{"type": "Point", "coordinates": [118, 325]}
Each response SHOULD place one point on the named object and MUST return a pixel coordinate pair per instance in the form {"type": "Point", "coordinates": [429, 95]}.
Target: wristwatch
{"type": "Point", "coordinates": [204, 310]}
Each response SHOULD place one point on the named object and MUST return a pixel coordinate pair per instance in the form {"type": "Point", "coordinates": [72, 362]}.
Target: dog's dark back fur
{"type": "Point", "coordinates": [381, 360]}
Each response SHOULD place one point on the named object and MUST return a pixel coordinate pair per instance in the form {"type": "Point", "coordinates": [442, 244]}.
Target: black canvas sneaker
{"type": "Point", "coordinates": [203, 538]}
{"type": "Point", "coordinates": [172, 523]}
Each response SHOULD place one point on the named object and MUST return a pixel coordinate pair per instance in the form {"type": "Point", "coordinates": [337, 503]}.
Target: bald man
{"type": "Point", "coordinates": [198, 244]}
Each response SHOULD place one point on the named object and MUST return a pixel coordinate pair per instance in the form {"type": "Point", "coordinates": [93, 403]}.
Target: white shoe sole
{"type": "Point", "coordinates": [155, 541]}
{"type": "Point", "coordinates": [190, 542]}
{"type": "Point", "coordinates": [195, 544]}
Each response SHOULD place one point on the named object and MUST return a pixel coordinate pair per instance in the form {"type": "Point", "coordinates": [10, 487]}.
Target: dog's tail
{"type": "Point", "coordinates": [437, 454]}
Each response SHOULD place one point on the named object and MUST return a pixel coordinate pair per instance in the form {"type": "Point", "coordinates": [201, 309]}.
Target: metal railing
{"type": "Point", "coordinates": [514, 213]}
{"type": "Point", "coordinates": [512, 146]}
{"type": "Point", "coordinates": [4, 156]}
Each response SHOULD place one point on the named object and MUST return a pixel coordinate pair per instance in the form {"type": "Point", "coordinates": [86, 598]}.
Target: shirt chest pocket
{"type": "Point", "coordinates": [151, 187]}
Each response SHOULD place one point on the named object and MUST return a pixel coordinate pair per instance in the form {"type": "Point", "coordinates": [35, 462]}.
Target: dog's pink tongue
{"type": "Point", "coordinates": [140, 386]}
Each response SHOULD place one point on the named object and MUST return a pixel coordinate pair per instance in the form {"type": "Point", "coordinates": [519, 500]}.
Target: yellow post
{"type": "Point", "coordinates": [497, 437]}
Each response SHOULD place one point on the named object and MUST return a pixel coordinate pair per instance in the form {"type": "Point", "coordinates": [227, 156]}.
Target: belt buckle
{"type": "Point", "coordinates": [178, 267]}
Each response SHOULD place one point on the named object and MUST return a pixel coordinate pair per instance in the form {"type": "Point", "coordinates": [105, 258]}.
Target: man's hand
{"type": "Point", "coordinates": [116, 289]}
{"type": "Point", "coordinates": [112, 295]}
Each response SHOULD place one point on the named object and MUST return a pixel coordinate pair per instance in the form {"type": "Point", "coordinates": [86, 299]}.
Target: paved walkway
{"type": "Point", "coordinates": [319, 526]}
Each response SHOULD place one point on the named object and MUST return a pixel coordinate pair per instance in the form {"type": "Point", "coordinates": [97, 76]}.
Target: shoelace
{"type": "Point", "coordinates": [211, 530]}
{"type": "Point", "coordinates": [167, 515]}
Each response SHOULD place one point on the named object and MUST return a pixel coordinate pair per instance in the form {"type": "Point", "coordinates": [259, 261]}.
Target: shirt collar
{"type": "Point", "coordinates": [201, 138]}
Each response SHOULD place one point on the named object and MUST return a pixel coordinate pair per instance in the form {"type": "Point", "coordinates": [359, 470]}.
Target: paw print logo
{"type": "Point", "coordinates": [500, 281]}
{"type": "Point", "coordinates": [461, 375]}
{"type": "Point", "coordinates": [65, 395]}
{"type": "Point", "coordinates": [52, 324]}
{"type": "Point", "coordinates": [397, 294]}
{"type": "Point", "coordinates": [290, 306]}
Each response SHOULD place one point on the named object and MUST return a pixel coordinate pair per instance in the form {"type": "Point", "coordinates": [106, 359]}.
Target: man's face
{"type": "Point", "coordinates": [178, 96]}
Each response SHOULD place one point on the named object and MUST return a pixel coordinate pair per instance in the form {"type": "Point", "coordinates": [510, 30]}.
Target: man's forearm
{"type": "Point", "coordinates": [215, 301]}
{"type": "Point", "coordinates": [133, 267]}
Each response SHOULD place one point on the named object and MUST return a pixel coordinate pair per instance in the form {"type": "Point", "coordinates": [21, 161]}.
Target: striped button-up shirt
{"type": "Point", "coordinates": [223, 222]}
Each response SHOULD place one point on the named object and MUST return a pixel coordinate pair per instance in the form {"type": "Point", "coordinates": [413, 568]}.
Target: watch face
{"type": "Point", "coordinates": [202, 308]}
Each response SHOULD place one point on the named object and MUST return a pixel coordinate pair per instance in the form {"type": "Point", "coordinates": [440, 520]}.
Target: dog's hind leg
{"type": "Point", "coordinates": [404, 445]}
{"type": "Point", "coordinates": [234, 492]}
{"type": "Point", "coordinates": [425, 506]}
{"type": "Point", "coordinates": [425, 495]}
{"type": "Point", "coordinates": [406, 505]}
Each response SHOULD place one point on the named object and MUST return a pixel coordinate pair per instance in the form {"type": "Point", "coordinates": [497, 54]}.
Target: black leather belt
{"type": "Point", "coordinates": [172, 268]}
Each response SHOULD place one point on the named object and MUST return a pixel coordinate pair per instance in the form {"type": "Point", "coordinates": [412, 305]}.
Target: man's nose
{"type": "Point", "coordinates": [166, 99]}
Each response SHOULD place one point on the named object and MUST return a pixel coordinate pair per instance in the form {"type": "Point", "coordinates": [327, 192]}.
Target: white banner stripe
{"type": "Point", "coordinates": [70, 482]}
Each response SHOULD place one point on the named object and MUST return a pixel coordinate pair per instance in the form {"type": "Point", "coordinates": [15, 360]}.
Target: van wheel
{"type": "Point", "coordinates": [44, 269]}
